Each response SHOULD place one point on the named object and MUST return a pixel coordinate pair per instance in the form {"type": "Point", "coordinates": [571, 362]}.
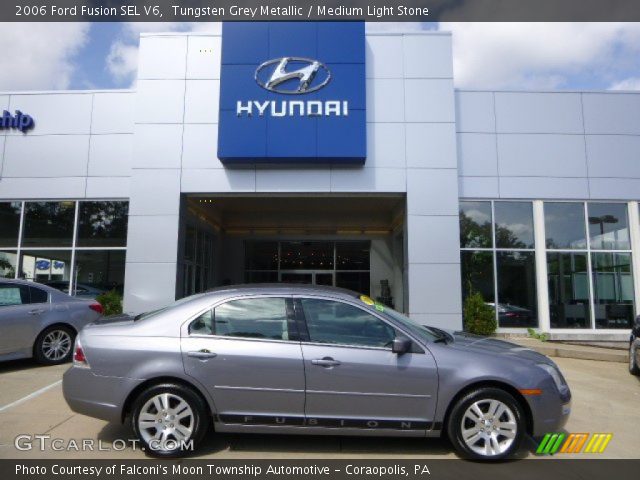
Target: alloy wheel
{"type": "Point", "coordinates": [166, 421]}
{"type": "Point", "coordinates": [489, 427]}
{"type": "Point", "coordinates": [56, 345]}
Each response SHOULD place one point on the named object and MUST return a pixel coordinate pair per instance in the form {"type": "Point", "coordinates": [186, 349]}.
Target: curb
{"type": "Point", "coordinates": [572, 351]}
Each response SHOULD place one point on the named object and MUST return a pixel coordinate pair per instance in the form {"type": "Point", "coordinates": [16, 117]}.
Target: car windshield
{"type": "Point", "coordinates": [431, 333]}
{"type": "Point", "coordinates": [153, 313]}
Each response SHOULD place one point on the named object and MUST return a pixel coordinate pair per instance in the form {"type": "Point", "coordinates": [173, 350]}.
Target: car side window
{"type": "Point", "coordinates": [203, 325]}
{"type": "Point", "coordinates": [247, 318]}
{"type": "Point", "coordinates": [11, 294]}
{"type": "Point", "coordinates": [38, 295]}
{"type": "Point", "coordinates": [334, 322]}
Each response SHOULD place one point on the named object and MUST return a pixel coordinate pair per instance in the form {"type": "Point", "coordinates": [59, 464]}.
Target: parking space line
{"type": "Point", "coordinates": [30, 396]}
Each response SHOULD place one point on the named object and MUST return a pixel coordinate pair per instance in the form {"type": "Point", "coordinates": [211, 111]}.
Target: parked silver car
{"type": "Point", "coordinates": [300, 359]}
{"type": "Point", "coordinates": [41, 322]}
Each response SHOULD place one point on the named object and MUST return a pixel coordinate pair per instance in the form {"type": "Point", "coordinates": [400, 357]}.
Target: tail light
{"type": "Point", "coordinates": [79, 359]}
{"type": "Point", "coordinates": [96, 307]}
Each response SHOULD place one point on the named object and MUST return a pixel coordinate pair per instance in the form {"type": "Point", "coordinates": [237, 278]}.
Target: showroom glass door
{"type": "Point", "coordinates": [344, 263]}
{"type": "Point", "coordinates": [307, 278]}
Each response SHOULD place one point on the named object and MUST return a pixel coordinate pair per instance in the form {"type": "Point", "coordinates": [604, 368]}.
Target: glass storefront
{"type": "Point", "coordinates": [74, 246]}
{"type": "Point", "coordinates": [498, 259]}
{"type": "Point", "coordinates": [588, 261]}
{"type": "Point", "coordinates": [343, 264]}
{"type": "Point", "coordinates": [589, 265]}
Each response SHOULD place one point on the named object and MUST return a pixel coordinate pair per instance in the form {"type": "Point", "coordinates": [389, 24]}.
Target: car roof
{"type": "Point", "coordinates": [29, 283]}
{"type": "Point", "coordinates": [281, 288]}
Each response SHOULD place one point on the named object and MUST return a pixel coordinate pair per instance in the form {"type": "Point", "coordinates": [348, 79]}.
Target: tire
{"type": "Point", "coordinates": [181, 401]}
{"type": "Point", "coordinates": [485, 439]}
{"type": "Point", "coordinates": [54, 345]}
{"type": "Point", "coordinates": [633, 364]}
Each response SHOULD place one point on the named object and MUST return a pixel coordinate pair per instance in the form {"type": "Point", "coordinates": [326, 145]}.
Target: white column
{"type": "Point", "coordinates": [634, 233]}
{"type": "Point", "coordinates": [542, 287]}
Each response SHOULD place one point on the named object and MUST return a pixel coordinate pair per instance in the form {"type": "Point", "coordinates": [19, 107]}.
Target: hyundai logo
{"type": "Point", "coordinates": [292, 75]}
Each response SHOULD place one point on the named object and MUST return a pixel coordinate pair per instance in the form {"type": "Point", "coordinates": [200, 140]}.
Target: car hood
{"type": "Point", "coordinates": [488, 345]}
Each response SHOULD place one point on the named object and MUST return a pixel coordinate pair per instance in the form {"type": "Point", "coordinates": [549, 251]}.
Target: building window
{"type": "Point", "coordinates": [9, 223]}
{"type": "Point", "coordinates": [102, 224]}
{"type": "Point", "coordinates": [48, 224]}
{"type": "Point", "coordinates": [8, 263]}
{"type": "Point", "coordinates": [75, 246]}
{"type": "Point", "coordinates": [498, 259]}
{"type": "Point", "coordinates": [589, 265]}
{"type": "Point", "coordinates": [568, 280]}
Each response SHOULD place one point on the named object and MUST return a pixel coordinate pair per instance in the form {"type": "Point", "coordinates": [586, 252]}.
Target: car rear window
{"type": "Point", "coordinates": [38, 295]}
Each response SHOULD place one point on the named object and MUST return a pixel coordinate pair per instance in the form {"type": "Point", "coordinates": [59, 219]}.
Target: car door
{"type": "Point", "coordinates": [247, 353]}
{"type": "Point", "coordinates": [16, 317]}
{"type": "Point", "coordinates": [353, 379]}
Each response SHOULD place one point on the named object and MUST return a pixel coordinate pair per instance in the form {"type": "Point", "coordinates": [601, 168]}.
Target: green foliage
{"type": "Point", "coordinates": [543, 337]}
{"type": "Point", "coordinates": [111, 302]}
{"type": "Point", "coordinates": [479, 318]}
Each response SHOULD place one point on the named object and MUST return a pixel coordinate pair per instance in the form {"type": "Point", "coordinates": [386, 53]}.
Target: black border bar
{"type": "Point", "coordinates": [323, 10]}
{"type": "Point", "coordinates": [343, 469]}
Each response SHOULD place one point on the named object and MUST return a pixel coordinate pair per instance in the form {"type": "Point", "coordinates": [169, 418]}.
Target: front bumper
{"type": "Point", "coordinates": [96, 396]}
{"type": "Point", "coordinates": [550, 411]}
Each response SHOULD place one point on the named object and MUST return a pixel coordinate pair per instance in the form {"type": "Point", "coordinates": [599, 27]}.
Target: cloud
{"type": "Point", "coordinates": [398, 27]}
{"type": "Point", "coordinates": [43, 59]}
{"type": "Point", "coordinates": [122, 61]}
{"type": "Point", "coordinates": [541, 55]}
{"type": "Point", "coordinates": [632, 83]}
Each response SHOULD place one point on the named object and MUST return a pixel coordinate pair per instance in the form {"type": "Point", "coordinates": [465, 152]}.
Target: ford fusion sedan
{"type": "Point", "coordinates": [309, 360]}
{"type": "Point", "coordinates": [41, 322]}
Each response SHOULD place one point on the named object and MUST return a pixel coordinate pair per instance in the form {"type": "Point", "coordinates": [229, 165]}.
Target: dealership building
{"type": "Point", "coordinates": [320, 153]}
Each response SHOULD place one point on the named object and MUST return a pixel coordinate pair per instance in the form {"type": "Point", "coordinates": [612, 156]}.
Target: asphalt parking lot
{"type": "Point", "coordinates": [606, 399]}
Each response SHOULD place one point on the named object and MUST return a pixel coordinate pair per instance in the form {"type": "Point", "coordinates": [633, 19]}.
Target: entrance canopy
{"type": "Point", "coordinates": [296, 214]}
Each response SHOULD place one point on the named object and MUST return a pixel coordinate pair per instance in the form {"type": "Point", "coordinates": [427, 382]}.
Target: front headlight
{"type": "Point", "coordinates": [558, 379]}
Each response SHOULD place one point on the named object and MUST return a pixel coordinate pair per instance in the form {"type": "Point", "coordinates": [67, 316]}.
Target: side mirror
{"type": "Point", "coordinates": [401, 345]}
{"type": "Point", "coordinates": [637, 322]}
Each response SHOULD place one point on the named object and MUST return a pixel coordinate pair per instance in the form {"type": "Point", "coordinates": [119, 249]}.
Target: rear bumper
{"type": "Point", "coordinates": [96, 396]}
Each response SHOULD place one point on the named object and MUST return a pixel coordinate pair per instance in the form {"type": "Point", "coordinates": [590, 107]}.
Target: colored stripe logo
{"type": "Point", "coordinates": [573, 443]}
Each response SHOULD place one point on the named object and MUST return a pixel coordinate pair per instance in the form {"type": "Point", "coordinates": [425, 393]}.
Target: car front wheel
{"type": "Point", "coordinates": [633, 363]}
{"type": "Point", "coordinates": [170, 420]}
{"type": "Point", "coordinates": [486, 424]}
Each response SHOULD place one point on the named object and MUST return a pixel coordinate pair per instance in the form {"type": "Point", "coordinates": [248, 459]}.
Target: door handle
{"type": "Point", "coordinates": [36, 311]}
{"type": "Point", "coordinates": [325, 362]}
{"type": "Point", "coordinates": [202, 354]}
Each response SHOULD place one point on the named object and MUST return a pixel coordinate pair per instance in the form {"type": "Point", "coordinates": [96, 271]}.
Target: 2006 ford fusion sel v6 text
{"type": "Point", "coordinates": [302, 359]}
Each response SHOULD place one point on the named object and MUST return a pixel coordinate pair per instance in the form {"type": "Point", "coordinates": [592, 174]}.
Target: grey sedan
{"type": "Point", "coordinates": [41, 322]}
{"type": "Point", "coordinates": [308, 360]}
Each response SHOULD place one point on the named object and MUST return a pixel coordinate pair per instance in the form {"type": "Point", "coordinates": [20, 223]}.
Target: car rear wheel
{"type": "Point", "coordinates": [54, 345]}
{"type": "Point", "coordinates": [486, 424]}
{"type": "Point", "coordinates": [170, 420]}
{"type": "Point", "coordinates": [633, 364]}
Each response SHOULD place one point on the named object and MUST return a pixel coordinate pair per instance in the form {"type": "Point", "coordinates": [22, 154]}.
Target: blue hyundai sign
{"type": "Point", "coordinates": [292, 92]}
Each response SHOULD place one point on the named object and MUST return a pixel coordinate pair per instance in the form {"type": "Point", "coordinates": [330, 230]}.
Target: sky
{"type": "Point", "coordinates": [515, 56]}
